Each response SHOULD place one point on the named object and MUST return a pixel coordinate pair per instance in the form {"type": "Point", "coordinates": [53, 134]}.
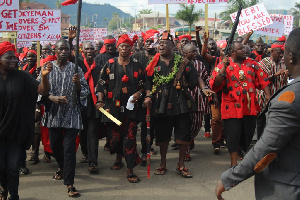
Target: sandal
{"type": "Point", "coordinates": [184, 172]}
{"type": "Point", "coordinates": [58, 175]}
{"type": "Point", "coordinates": [93, 168]}
{"type": "Point", "coordinates": [84, 159]}
{"type": "Point", "coordinates": [153, 152]}
{"type": "Point", "coordinates": [72, 192]}
{"type": "Point", "coordinates": [34, 159]}
{"type": "Point", "coordinates": [187, 158]}
{"type": "Point", "coordinates": [144, 160]}
{"type": "Point", "coordinates": [160, 171]}
{"type": "Point", "coordinates": [132, 178]}
{"type": "Point", "coordinates": [3, 193]}
{"type": "Point", "coordinates": [47, 159]}
{"type": "Point", "coordinates": [106, 147]}
{"type": "Point", "coordinates": [117, 166]}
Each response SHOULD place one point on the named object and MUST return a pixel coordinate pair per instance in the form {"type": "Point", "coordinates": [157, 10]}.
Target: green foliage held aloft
{"type": "Point", "coordinates": [233, 6]}
{"type": "Point", "coordinates": [296, 14]}
{"type": "Point", "coordinates": [188, 14]}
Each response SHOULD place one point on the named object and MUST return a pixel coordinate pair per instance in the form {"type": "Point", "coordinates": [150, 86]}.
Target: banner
{"type": "Point", "coordinates": [276, 29]}
{"type": "Point", "coordinates": [24, 44]}
{"type": "Point", "coordinates": [9, 10]}
{"type": "Point", "coordinates": [207, 1]}
{"type": "Point", "coordinates": [252, 18]}
{"type": "Point", "coordinates": [288, 23]}
{"type": "Point", "coordinates": [167, 1]}
{"type": "Point", "coordinates": [86, 34]}
{"type": "Point", "coordinates": [39, 25]}
{"type": "Point", "coordinates": [100, 33]}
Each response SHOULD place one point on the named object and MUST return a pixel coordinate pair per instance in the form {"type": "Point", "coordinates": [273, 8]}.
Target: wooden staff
{"type": "Point", "coordinates": [148, 142]}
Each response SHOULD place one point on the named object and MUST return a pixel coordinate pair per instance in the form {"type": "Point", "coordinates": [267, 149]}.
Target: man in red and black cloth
{"type": "Point", "coordinates": [258, 52]}
{"type": "Point", "coordinates": [238, 77]}
{"type": "Point", "coordinates": [91, 118]}
{"type": "Point", "coordinates": [121, 83]}
{"type": "Point", "coordinates": [143, 58]}
{"type": "Point", "coordinates": [169, 76]}
{"type": "Point", "coordinates": [183, 40]}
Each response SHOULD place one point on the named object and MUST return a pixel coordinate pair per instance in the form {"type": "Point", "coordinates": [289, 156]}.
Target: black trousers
{"type": "Point", "coordinates": [63, 146]}
{"type": "Point", "coordinates": [83, 136]}
{"type": "Point", "coordinates": [94, 126]}
{"type": "Point", "coordinates": [239, 132]}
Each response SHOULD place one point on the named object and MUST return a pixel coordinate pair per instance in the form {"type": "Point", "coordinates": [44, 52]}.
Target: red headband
{"type": "Point", "coordinates": [6, 46]}
{"type": "Point", "coordinates": [125, 39]}
{"type": "Point", "coordinates": [185, 36]}
{"type": "Point", "coordinates": [109, 41]}
{"type": "Point", "coordinates": [282, 39]}
{"type": "Point", "coordinates": [149, 34]}
{"type": "Point", "coordinates": [273, 46]}
{"type": "Point", "coordinates": [32, 51]}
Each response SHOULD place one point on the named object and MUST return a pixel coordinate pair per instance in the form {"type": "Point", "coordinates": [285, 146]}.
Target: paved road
{"type": "Point", "coordinates": [107, 184]}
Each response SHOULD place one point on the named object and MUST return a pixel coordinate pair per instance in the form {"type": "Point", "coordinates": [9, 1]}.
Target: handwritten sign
{"type": "Point", "coordinates": [100, 33]}
{"type": "Point", "coordinates": [167, 1]}
{"type": "Point", "coordinates": [9, 10]}
{"type": "Point", "coordinates": [252, 18]}
{"type": "Point", "coordinates": [23, 44]}
{"type": "Point", "coordinates": [288, 23]}
{"type": "Point", "coordinates": [276, 29]}
{"type": "Point", "coordinates": [36, 25]}
{"type": "Point", "coordinates": [207, 1]}
{"type": "Point", "coordinates": [86, 34]}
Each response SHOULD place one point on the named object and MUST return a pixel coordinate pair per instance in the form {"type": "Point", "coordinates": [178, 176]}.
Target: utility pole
{"type": "Point", "coordinates": [214, 25]}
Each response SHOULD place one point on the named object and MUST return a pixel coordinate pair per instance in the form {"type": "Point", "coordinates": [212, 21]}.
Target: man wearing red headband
{"type": "Point", "coordinates": [183, 40]}
{"type": "Point", "coordinates": [275, 68]}
{"type": "Point", "coordinates": [107, 51]}
{"type": "Point", "coordinates": [18, 95]}
{"type": "Point", "coordinates": [121, 79]}
{"type": "Point", "coordinates": [143, 57]}
{"type": "Point", "coordinates": [140, 45]}
{"type": "Point", "coordinates": [238, 77]}
{"type": "Point", "coordinates": [169, 76]}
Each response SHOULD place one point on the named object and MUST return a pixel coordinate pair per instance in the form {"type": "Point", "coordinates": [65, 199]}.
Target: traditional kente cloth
{"type": "Point", "coordinates": [269, 67]}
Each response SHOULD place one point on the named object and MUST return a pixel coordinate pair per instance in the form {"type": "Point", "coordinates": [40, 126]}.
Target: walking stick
{"type": "Point", "coordinates": [148, 141]}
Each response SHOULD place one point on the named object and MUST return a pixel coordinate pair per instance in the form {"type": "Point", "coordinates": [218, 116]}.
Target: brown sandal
{"type": "Point", "coordinates": [72, 192]}
{"type": "Point", "coordinates": [58, 175]}
{"type": "Point", "coordinates": [184, 172]}
{"type": "Point", "coordinates": [117, 166]}
{"type": "Point", "coordinates": [3, 193]}
{"type": "Point", "coordinates": [160, 171]}
{"type": "Point", "coordinates": [132, 178]}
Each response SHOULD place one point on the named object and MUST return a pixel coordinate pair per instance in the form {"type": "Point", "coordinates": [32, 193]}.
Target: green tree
{"type": "Point", "coordinates": [296, 14]}
{"type": "Point", "coordinates": [145, 11]}
{"type": "Point", "coordinates": [188, 14]}
{"type": "Point", "coordinates": [233, 6]}
{"type": "Point", "coordinates": [105, 21]}
{"type": "Point", "coordinates": [113, 24]}
{"type": "Point", "coordinates": [58, 4]}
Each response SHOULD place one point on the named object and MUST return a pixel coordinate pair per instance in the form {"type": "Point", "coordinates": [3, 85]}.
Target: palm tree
{"type": "Point", "coordinates": [58, 4]}
{"type": "Point", "coordinates": [105, 21]}
{"type": "Point", "coordinates": [188, 14]}
{"type": "Point", "coordinates": [296, 13]}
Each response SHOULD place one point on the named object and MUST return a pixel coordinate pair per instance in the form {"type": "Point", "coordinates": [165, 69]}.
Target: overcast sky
{"type": "Point", "coordinates": [132, 6]}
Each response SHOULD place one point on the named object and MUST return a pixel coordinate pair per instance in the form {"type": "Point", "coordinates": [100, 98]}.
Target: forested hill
{"type": "Point", "coordinates": [88, 10]}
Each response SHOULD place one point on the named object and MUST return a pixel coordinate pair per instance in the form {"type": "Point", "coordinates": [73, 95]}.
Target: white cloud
{"type": "Point", "coordinates": [133, 6]}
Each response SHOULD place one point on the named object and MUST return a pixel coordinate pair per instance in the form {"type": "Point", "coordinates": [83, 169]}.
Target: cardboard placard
{"type": "Point", "coordinates": [39, 25]}
{"type": "Point", "coordinates": [288, 23]}
{"type": "Point", "coordinates": [9, 12]}
{"type": "Point", "coordinates": [252, 18]}
{"type": "Point", "coordinates": [276, 29]}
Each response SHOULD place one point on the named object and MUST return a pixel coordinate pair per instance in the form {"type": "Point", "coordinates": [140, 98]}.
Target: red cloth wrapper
{"type": "Point", "coordinates": [185, 36]}
{"type": "Point", "coordinates": [152, 64]}
{"type": "Point", "coordinates": [7, 46]}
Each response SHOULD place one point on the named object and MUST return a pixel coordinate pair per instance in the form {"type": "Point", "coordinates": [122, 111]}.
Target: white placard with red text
{"type": "Point", "coordinates": [167, 1]}
{"type": "Point", "coordinates": [86, 34]}
{"type": "Point", "coordinates": [9, 12]}
{"type": "Point", "coordinates": [207, 1]}
{"type": "Point", "coordinates": [276, 29]}
{"type": "Point", "coordinates": [288, 23]}
{"type": "Point", "coordinates": [100, 33]}
{"type": "Point", "coordinates": [252, 18]}
{"type": "Point", "coordinates": [37, 25]}
{"type": "Point", "coordinates": [24, 44]}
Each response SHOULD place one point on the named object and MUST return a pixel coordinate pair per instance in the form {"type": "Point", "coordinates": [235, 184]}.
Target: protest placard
{"type": "Point", "coordinates": [276, 29]}
{"type": "Point", "coordinates": [86, 34]}
{"type": "Point", "coordinates": [166, 1]}
{"type": "Point", "coordinates": [37, 25]}
{"type": "Point", "coordinates": [252, 18]}
{"type": "Point", "coordinates": [24, 44]}
{"type": "Point", "coordinates": [9, 10]}
{"type": "Point", "coordinates": [288, 23]}
{"type": "Point", "coordinates": [207, 1]}
{"type": "Point", "coordinates": [100, 33]}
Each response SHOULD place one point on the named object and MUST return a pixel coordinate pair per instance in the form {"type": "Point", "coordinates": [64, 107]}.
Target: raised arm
{"type": "Point", "coordinates": [204, 53]}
